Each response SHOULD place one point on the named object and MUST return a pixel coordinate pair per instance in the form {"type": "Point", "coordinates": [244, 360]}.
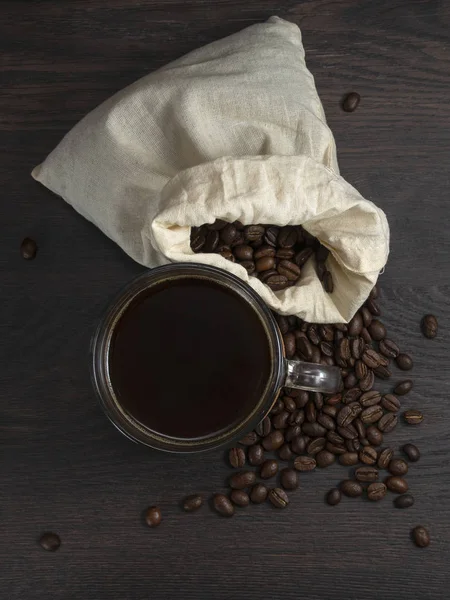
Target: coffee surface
{"type": "Point", "coordinates": [189, 358]}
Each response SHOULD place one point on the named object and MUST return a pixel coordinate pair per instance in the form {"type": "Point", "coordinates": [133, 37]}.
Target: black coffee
{"type": "Point", "coordinates": [189, 358]}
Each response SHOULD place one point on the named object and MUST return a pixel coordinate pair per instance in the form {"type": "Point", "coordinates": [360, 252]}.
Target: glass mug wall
{"type": "Point", "coordinates": [188, 357]}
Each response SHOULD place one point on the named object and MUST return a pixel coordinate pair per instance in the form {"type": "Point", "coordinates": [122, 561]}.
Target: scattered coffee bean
{"type": "Point", "coordinates": [387, 422]}
{"type": "Point", "coordinates": [404, 362]}
{"type": "Point", "coordinates": [193, 502]}
{"type": "Point", "coordinates": [274, 440]}
{"type": "Point", "coordinates": [269, 469]}
{"type": "Point", "coordinates": [222, 504]}
{"type": "Point", "coordinates": [265, 427]}
{"type": "Point", "coordinates": [412, 452]}
{"type": "Point", "coordinates": [351, 102]}
{"type": "Point", "coordinates": [429, 326]}
{"type": "Point", "coordinates": [28, 249]}
{"type": "Point", "coordinates": [376, 491]}
{"type": "Point", "coordinates": [285, 452]}
{"type": "Point", "coordinates": [403, 387]}
{"type": "Point", "coordinates": [278, 497]}
{"type": "Point", "coordinates": [390, 403]}
{"type": "Point", "coordinates": [421, 536]}
{"type": "Point", "coordinates": [153, 516]}
{"type": "Point", "coordinates": [349, 459]}
{"type": "Point", "coordinates": [240, 498]}
{"type": "Point", "coordinates": [333, 497]}
{"type": "Point", "coordinates": [50, 541]}
{"type": "Point", "coordinates": [256, 455]}
{"type": "Point", "coordinates": [404, 501]}
{"type": "Point", "coordinates": [368, 455]}
{"type": "Point", "coordinates": [385, 458]}
{"type": "Point", "coordinates": [374, 436]}
{"type": "Point", "coordinates": [258, 493]}
{"type": "Point", "coordinates": [289, 479]}
{"type": "Point", "coordinates": [413, 417]}
{"type": "Point", "coordinates": [397, 484]}
{"type": "Point", "coordinates": [324, 459]}
{"type": "Point", "coordinates": [236, 456]}
{"type": "Point", "coordinates": [304, 463]}
{"type": "Point", "coordinates": [398, 466]}
{"type": "Point", "coordinates": [242, 480]}
{"type": "Point", "coordinates": [351, 488]}
{"type": "Point", "coordinates": [389, 348]}
{"type": "Point", "coordinates": [377, 330]}
{"type": "Point", "coordinates": [366, 474]}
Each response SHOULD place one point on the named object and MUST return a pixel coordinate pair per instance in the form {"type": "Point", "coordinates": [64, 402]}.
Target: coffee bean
{"type": "Point", "coordinates": [289, 405]}
{"type": "Point", "coordinates": [313, 335]}
{"type": "Point", "coordinates": [370, 398]}
{"type": "Point", "coordinates": [304, 346]}
{"type": "Point", "coordinates": [278, 497]}
{"type": "Point", "coordinates": [212, 241]}
{"type": "Point", "coordinates": [334, 449]}
{"type": "Point", "coordinates": [382, 372]}
{"type": "Point", "coordinates": [351, 102]}
{"type": "Point", "coordinates": [355, 325]}
{"type": "Point", "coordinates": [240, 498]}
{"type": "Point", "coordinates": [377, 330]}
{"type": "Point", "coordinates": [398, 466]}
{"type": "Point", "coordinates": [304, 463]}
{"type": "Point", "coordinates": [353, 445]}
{"type": "Point", "coordinates": [243, 252]}
{"type": "Point", "coordinates": [374, 436]}
{"type": "Point", "coordinates": [351, 488]}
{"type": "Point", "coordinates": [366, 383]}
{"type": "Point", "coordinates": [292, 432]}
{"type": "Point", "coordinates": [397, 484]}
{"type": "Point", "coordinates": [297, 417]}
{"type": "Point", "coordinates": [421, 536]}
{"type": "Point", "coordinates": [345, 416]}
{"type": "Point", "coordinates": [50, 541]}
{"type": "Point", "coordinates": [287, 237]}
{"type": "Point", "coordinates": [258, 493]}
{"type": "Point", "coordinates": [227, 254]}
{"type": "Point", "coordinates": [289, 269]}
{"type": "Point", "coordinates": [368, 455]}
{"type": "Point", "coordinates": [413, 417]}
{"type": "Point", "coordinates": [357, 347]}
{"type": "Point", "coordinates": [371, 358]}
{"type": "Point", "coordinates": [348, 459]}
{"type": "Point", "coordinates": [335, 399]}
{"type": "Point", "coordinates": [331, 411]}
{"type": "Point", "coordinates": [269, 469]}
{"type": "Point", "coordinates": [198, 239]}
{"type": "Point", "coordinates": [264, 252]}
{"type": "Point", "coordinates": [348, 432]}
{"type": "Point", "coordinates": [285, 452]}
{"type": "Point", "coordinates": [255, 455]}
{"type": "Point", "coordinates": [264, 427]}
{"type": "Point", "coordinates": [326, 421]}
{"type": "Point", "coordinates": [360, 428]}
{"type": "Point", "coordinates": [429, 326]}
{"type": "Point", "coordinates": [280, 421]}
{"type": "Point", "coordinates": [344, 351]}
{"type": "Point", "coordinates": [366, 316]}
{"type": "Point", "coordinates": [361, 369]}
{"type": "Point", "coordinates": [289, 342]}
{"type": "Point", "coordinates": [373, 307]}
{"type": "Point", "coordinates": [285, 253]}
{"type": "Point", "coordinates": [249, 439]}
{"type": "Point", "coordinates": [324, 459]}
{"type": "Point", "coordinates": [282, 323]}
{"type": "Point", "coordinates": [316, 445]}
{"type": "Point", "coordinates": [253, 233]}
{"type": "Point", "coordinates": [314, 430]}
{"type": "Point", "coordinates": [366, 336]}
{"type": "Point", "coordinates": [387, 422]}
{"type": "Point", "coordinates": [228, 233]}
{"type": "Point", "coordinates": [404, 362]}
{"type": "Point", "coordinates": [249, 266]}
{"type": "Point", "coordinates": [274, 440]}
{"type": "Point", "coordinates": [350, 381]}
{"type": "Point", "coordinates": [28, 249]}
{"type": "Point", "coordinates": [303, 256]}
{"type": "Point", "coordinates": [390, 403]}
{"type": "Point", "coordinates": [264, 264]}
{"type": "Point", "coordinates": [193, 502]}
{"type": "Point", "coordinates": [372, 414]}
{"type": "Point", "coordinates": [242, 480]}
{"type": "Point", "coordinates": [333, 497]}
{"type": "Point", "coordinates": [153, 516]}
{"type": "Point", "coordinates": [366, 474]}
{"type": "Point", "coordinates": [412, 452]}
{"type": "Point", "coordinates": [376, 491]}
{"type": "Point", "coordinates": [222, 504]}
{"type": "Point", "coordinates": [403, 387]}
{"type": "Point", "coordinates": [298, 444]}
{"type": "Point", "coordinates": [236, 456]}
{"type": "Point", "coordinates": [404, 501]}
{"type": "Point", "coordinates": [351, 395]}
{"type": "Point", "coordinates": [384, 458]}
{"type": "Point", "coordinates": [389, 348]}
{"type": "Point", "coordinates": [271, 235]}
{"type": "Point", "coordinates": [277, 282]}
{"type": "Point", "coordinates": [289, 479]}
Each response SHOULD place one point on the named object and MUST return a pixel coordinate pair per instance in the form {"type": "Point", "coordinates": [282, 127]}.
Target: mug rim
{"type": "Point", "coordinates": [102, 341]}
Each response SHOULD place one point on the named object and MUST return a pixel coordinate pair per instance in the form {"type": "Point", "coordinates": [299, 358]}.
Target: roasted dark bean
{"type": "Point", "coordinates": [50, 541]}
{"type": "Point", "coordinates": [153, 516]}
{"type": "Point", "coordinates": [376, 491]}
{"type": "Point", "coordinates": [371, 358]}
{"type": "Point", "coordinates": [269, 469]}
{"type": "Point", "coordinates": [403, 387]}
{"type": "Point", "coordinates": [390, 403]}
{"type": "Point", "coordinates": [258, 493]}
{"type": "Point", "coordinates": [368, 455]}
{"type": "Point", "coordinates": [385, 458]}
{"type": "Point", "coordinates": [303, 256]}
{"type": "Point", "coordinates": [355, 325]}
{"type": "Point", "coordinates": [429, 326]}
{"type": "Point", "coordinates": [382, 372]}
{"type": "Point", "coordinates": [397, 484]}
{"type": "Point", "coordinates": [256, 455]}
{"type": "Point", "coordinates": [271, 235]}
{"type": "Point", "coordinates": [377, 330]}
{"type": "Point", "coordinates": [240, 498]}
{"type": "Point", "coordinates": [374, 436]}
{"type": "Point", "coordinates": [324, 459]}
{"type": "Point", "coordinates": [304, 463]}
{"type": "Point", "coordinates": [277, 282]}
{"type": "Point", "coordinates": [316, 445]}
{"type": "Point", "coordinates": [222, 504]}
{"type": "Point", "coordinates": [274, 440]}
{"type": "Point", "coordinates": [398, 466]}
{"type": "Point", "coordinates": [278, 497]}
{"type": "Point", "coordinates": [372, 414]}
{"type": "Point", "coordinates": [264, 427]}
{"type": "Point", "coordinates": [351, 488]}
{"type": "Point", "coordinates": [212, 241]}
{"type": "Point", "coordinates": [387, 422]}
{"type": "Point", "coordinates": [241, 480]}
{"type": "Point", "coordinates": [404, 501]}
{"type": "Point", "coordinates": [198, 239]}
{"type": "Point", "coordinates": [421, 536]}
{"type": "Point", "coordinates": [413, 417]}
{"type": "Point", "coordinates": [193, 502]}
{"type": "Point", "coordinates": [412, 452]}
{"type": "Point", "coordinates": [333, 497]}
{"type": "Point", "coordinates": [249, 439]}
{"type": "Point", "coordinates": [264, 264]}
{"type": "Point", "coordinates": [280, 421]}
{"type": "Point", "coordinates": [243, 252]}
{"type": "Point", "coordinates": [289, 479]}
{"type": "Point", "coordinates": [298, 444]}
{"type": "Point", "coordinates": [236, 456]}
{"type": "Point", "coordinates": [254, 233]}
{"type": "Point", "coordinates": [370, 399]}
{"type": "Point", "coordinates": [351, 102]}
{"type": "Point", "coordinates": [367, 474]}
{"type": "Point", "coordinates": [285, 453]}
{"type": "Point", "coordinates": [289, 269]}
{"type": "Point", "coordinates": [404, 362]}
{"type": "Point", "coordinates": [389, 348]}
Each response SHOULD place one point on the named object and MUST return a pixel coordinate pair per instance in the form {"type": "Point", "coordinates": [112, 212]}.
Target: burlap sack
{"type": "Point", "coordinates": [234, 130]}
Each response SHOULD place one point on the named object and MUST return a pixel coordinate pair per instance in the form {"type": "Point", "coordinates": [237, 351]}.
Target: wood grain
{"type": "Point", "coordinates": [63, 467]}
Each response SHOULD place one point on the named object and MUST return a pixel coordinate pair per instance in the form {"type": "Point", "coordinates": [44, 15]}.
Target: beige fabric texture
{"type": "Point", "coordinates": [234, 130]}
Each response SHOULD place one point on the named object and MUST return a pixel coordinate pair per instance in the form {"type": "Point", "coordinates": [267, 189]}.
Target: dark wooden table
{"type": "Point", "coordinates": [63, 467]}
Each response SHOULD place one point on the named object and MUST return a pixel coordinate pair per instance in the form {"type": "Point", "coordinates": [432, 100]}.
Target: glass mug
{"type": "Point", "coordinates": [184, 279]}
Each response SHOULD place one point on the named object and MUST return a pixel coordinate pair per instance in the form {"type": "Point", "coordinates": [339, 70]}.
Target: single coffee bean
{"type": "Point", "coordinates": [372, 305]}
{"type": "Point", "coordinates": [264, 427]}
{"type": "Point", "coordinates": [348, 432]}
{"type": "Point", "coordinates": [366, 474]}
{"type": "Point", "coordinates": [351, 395]}
{"type": "Point", "coordinates": [303, 256]}
{"type": "Point", "coordinates": [269, 469]}
{"type": "Point", "coordinates": [333, 497]}
{"type": "Point", "coordinates": [50, 541]}
{"type": "Point", "coordinates": [412, 452]}
{"type": "Point", "coordinates": [28, 249]}
{"type": "Point", "coordinates": [258, 493]}
{"type": "Point", "coordinates": [304, 463]}
{"type": "Point", "coordinates": [366, 316]}
{"type": "Point", "coordinates": [421, 536]}
{"type": "Point", "coordinates": [313, 335]}
{"type": "Point", "coordinates": [371, 358]}
{"type": "Point", "coordinates": [345, 416]}
{"type": "Point", "coordinates": [372, 414]}
{"type": "Point", "coordinates": [287, 237]}
{"type": "Point", "coordinates": [429, 326]}
{"type": "Point", "coordinates": [292, 432]}
{"type": "Point", "coordinates": [385, 458]}
{"type": "Point", "coordinates": [274, 440]}
{"type": "Point", "coordinates": [388, 422]}
{"type": "Point", "coordinates": [212, 241]}
{"type": "Point", "coordinates": [240, 498]}
{"type": "Point", "coordinates": [278, 497]}
{"type": "Point", "coordinates": [222, 504]}
{"type": "Point", "coordinates": [298, 444]}
{"type": "Point", "coordinates": [334, 399]}
{"type": "Point", "coordinates": [361, 369]}
{"type": "Point", "coordinates": [242, 480]}
{"type": "Point", "coordinates": [368, 455]}
{"type": "Point", "coordinates": [276, 282]}
{"type": "Point", "coordinates": [413, 417]}
{"type": "Point", "coordinates": [355, 325]}
{"type": "Point", "coordinates": [326, 333]}
{"type": "Point", "coordinates": [382, 372]}
{"type": "Point", "coordinates": [390, 403]}
{"type": "Point", "coordinates": [289, 270]}
{"type": "Point", "coordinates": [366, 383]}
{"type": "Point", "coordinates": [193, 502]}
{"type": "Point", "coordinates": [304, 346]}
{"type": "Point", "coordinates": [289, 479]}
{"type": "Point", "coordinates": [370, 398]}
{"type": "Point", "coordinates": [289, 404]}
{"type": "Point", "coordinates": [376, 491]}
{"type": "Point", "coordinates": [377, 330]}
{"type": "Point", "coordinates": [264, 252]}
{"type": "Point", "coordinates": [236, 456]}
{"type": "Point", "coordinates": [243, 252]}
{"type": "Point", "coordinates": [280, 421]}
{"type": "Point", "coordinates": [389, 348]}
{"type": "Point", "coordinates": [403, 387]}
{"type": "Point", "coordinates": [344, 349]}
{"type": "Point", "coordinates": [249, 266]}
{"type": "Point", "coordinates": [271, 235]}
{"type": "Point", "coordinates": [285, 253]}
{"type": "Point", "coordinates": [326, 421]}
{"type": "Point", "coordinates": [397, 484]}
{"type": "Point", "coordinates": [335, 438]}
{"type": "Point", "coordinates": [255, 455]}
{"type": "Point", "coordinates": [348, 459]}
{"type": "Point", "coordinates": [316, 445]}
{"type": "Point", "coordinates": [351, 102]}
{"type": "Point", "coordinates": [253, 233]}
{"type": "Point", "coordinates": [404, 501]}
{"type": "Point", "coordinates": [374, 436]}
{"type": "Point", "coordinates": [249, 439]}
{"type": "Point", "coordinates": [404, 362]}
{"type": "Point", "coordinates": [357, 347]}
{"type": "Point", "coordinates": [264, 264]}
{"type": "Point", "coordinates": [351, 488]}
{"type": "Point", "coordinates": [314, 430]}
{"type": "Point", "coordinates": [330, 410]}
{"type": "Point", "coordinates": [398, 466]}
{"type": "Point", "coordinates": [198, 239]}
{"type": "Point", "coordinates": [350, 381]}
{"type": "Point", "coordinates": [153, 516]}
{"type": "Point", "coordinates": [360, 429]}
{"type": "Point", "coordinates": [353, 445]}
{"type": "Point", "coordinates": [228, 233]}
{"type": "Point", "coordinates": [297, 417]}
{"type": "Point", "coordinates": [324, 459]}
{"type": "Point", "coordinates": [282, 323]}
{"type": "Point", "coordinates": [337, 450]}
{"type": "Point", "coordinates": [285, 452]}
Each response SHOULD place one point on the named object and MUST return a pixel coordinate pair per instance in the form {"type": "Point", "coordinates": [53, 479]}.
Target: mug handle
{"type": "Point", "coordinates": [313, 377]}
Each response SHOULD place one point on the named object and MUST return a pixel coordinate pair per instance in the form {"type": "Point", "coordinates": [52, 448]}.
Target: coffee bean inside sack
{"type": "Point", "coordinates": [276, 255]}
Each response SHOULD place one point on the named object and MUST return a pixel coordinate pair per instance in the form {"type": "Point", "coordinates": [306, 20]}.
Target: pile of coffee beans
{"type": "Point", "coordinates": [276, 255]}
